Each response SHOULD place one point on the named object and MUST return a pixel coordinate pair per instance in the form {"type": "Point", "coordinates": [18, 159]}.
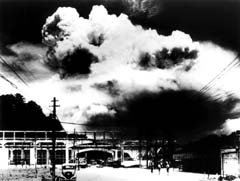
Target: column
{"type": "Point", "coordinates": [3, 156]}
{"type": "Point", "coordinates": [33, 159]}
{"type": "Point", "coordinates": [238, 157]}
{"type": "Point", "coordinates": [122, 151]}
{"type": "Point", "coordinates": [47, 157]}
{"type": "Point", "coordinates": [22, 157]}
{"type": "Point", "coordinates": [10, 156]}
{"type": "Point", "coordinates": [66, 153]}
{"type": "Point", "coordinates": [115, 156]}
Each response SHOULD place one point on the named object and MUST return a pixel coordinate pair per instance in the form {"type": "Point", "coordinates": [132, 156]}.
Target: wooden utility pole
{"type": "Point", "coordinates": [74, 143]}
{"type": "Point", "coordinates": [140, 151]}
{"type": "Point", "coordinates": [54, 118]}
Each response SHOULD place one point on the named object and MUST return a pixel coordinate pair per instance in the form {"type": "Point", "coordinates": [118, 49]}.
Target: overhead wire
{"type": "Point", "coordinates": [233, 64]}
{"type": "Point", "coordinates": [12, 69]}
{"type": "Point", "coordinates": [10, 82]}
{"type": "Point", "coordinates": [72, 123]}
{"type": "Point", "coordinates": [18, 76]}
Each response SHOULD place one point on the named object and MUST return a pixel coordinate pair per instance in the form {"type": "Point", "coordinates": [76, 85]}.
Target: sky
{"type": "Point", "coordinates": [216, 20]}
{"type": "Point", "coordinates": [143, 65]}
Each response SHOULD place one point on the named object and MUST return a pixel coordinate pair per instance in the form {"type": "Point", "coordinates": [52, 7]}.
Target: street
{"type": "Point", "coordinates": [138, 174]}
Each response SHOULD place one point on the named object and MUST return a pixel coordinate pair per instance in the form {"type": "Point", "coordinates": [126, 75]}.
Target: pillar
{"type": "Point", "coordinates": [66, 153]}
{"type": "Point", "coordinates": [122, 151]}
{"type": "Point", "coordinates": [238, 157]}
{"type": "Point", "coordinates": [115, 156]}
{"type": "Point", "coordinates": [4, 157]}
{"type": "Point", "coordinates": [47, 157]}
{"type": "Point", "coordinates": [222, 161]}
{"type": "Point", "coordinates": [22, 157]}
{"type": "Point", "coordinates": [33, 158]}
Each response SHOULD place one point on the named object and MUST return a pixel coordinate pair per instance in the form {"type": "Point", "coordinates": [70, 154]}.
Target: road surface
{"type": "Point", "coordinates": [137, 174]}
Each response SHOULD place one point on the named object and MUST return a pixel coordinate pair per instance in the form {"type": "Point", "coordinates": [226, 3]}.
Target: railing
{"type": "Point", "coordinates": [47, 135]}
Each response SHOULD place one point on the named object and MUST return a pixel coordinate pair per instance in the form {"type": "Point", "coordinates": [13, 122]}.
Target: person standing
{"type": "Point", "coordinates": [167, 167]}
{"type": "Point", "coordinates": [151, 166]}
{"type": "Point", "coordinates": [159, 165]}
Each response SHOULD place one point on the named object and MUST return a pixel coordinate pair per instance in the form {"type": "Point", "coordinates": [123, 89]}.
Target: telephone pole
{"type": "Point", "coordinates": [54, 118]}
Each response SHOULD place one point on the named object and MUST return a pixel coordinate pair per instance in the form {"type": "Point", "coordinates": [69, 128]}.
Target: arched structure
{"type": "Point", "coordinates": [96, 154]}
{"type": "Point", "coordinates": [96, 149]}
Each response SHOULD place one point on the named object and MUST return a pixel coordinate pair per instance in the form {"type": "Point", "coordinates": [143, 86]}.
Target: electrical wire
{"type": "Point", "coordinates": [10, 82]}
{"type": "Point", "coordinates": [233, 64]}
{"type": "Point", "coordinates": [12, 69]}
{"type": "Point", "coordinates": [73, 123]}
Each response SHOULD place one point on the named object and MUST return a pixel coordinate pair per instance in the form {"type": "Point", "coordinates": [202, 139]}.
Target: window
{"type": "Point", "coordinates": [19, 135]}
{"type": "Point", "coordinates": [8, 135]}
{"type": "Point", "coordinates": [1, 135]}
{"type": "Point", "coordinates": [60, 156]}
{"type": "Point", "coordinates": [16, 157]}
{"type": "Point", "coordinates": [27, 157]}
{"type": "Point", "coordinates": [41, 157]}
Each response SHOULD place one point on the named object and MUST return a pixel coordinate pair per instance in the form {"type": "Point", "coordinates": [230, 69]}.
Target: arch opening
{"type": "Point", "coordinates": [95, 156]}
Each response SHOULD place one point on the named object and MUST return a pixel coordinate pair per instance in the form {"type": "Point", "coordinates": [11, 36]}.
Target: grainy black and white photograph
{"type": "Point", "coordinates": [119, 90]}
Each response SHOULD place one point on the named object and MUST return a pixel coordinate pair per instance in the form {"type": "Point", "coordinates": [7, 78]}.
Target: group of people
{"type": "Point", "coordinates": [160, 164]}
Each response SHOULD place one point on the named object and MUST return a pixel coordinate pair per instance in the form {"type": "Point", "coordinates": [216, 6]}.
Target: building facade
{"type": "Point", "coordinates": [35, 148]}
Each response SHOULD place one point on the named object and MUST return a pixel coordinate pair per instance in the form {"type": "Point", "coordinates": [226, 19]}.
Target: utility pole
{"type": "Point", "coordinates": [54, 118]}
{"type": "Point", "coordinates": [74, 142]}
{"type": "Point", "coordinates": [140, 151]}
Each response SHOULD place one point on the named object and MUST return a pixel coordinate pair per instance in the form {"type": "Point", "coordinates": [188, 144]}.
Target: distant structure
{"type": "Point", "coordinates": [213, 154]}
{"type": "Point", "coordinates": [230, 157]}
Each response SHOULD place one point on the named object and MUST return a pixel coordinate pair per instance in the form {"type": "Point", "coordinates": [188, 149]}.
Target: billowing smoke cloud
{"type": "Point", "coordinates": [77, 62]}
{"type": "Point", "coordinates": [26, 59]}
{"type": "Point", "coordinates": [167, 59]}
{"type": "Point", "coordinates": [179, 112]}
{"type": "Point", "coordinates": [104, 68]}
{"type": "Point", "coordinates": [146, 7]}
{"type": "Point", "coordinates": [105, 38]}
{"type": "Point", "coordinates": [110, 87]}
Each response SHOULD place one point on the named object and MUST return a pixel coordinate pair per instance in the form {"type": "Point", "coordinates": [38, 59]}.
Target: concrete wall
{"type": "Point", "coordinates": [229, 162]}
{"type": "Point", "coordinates": [4, 158]}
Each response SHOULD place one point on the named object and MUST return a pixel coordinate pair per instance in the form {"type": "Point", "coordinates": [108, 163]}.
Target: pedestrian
{"type": "Point", "coordinates": [167, 167]}
{"type": "Point", "coordinates": [159, 165]}
{"type": "Point", "coordinates": [151, 166]}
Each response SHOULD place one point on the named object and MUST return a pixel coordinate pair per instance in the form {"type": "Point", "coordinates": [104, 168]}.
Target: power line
{"type": "Point", "coordinates": [94, 126]}
{"type": "Point", "coordinates": [226, 69]}
{"type": "Point", "coordinates": [220, 74]}
{"type": "Point", "coordinates": [73, 123]}
{"type": "Point", "coordinates": [219, 77]}
{"type": "Point", "coordinates": [10, 82]}
{"type": "Point", "coordinates": [19, 77]}
{"type": "Point", "coordinates": [12, 69]}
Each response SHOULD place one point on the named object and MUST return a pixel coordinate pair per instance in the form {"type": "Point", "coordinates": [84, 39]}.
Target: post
{"type": "Point", "coordinates": [238, 157]}
{"type": "Point", "coordinates": [66, 153]}
{"type": "Point", "coordinates": [95, 139]}
{"type": "Point", "coordinates": [140, 151]}
{"type": "Point", "coordinates": [54, 117]}
{"type": "Point", "coordinates": [35, 152]}
{"type": "Point", "coordinates": [222, 161]}
{"type": "Point", "coordinates": [74, 143]}
{"type": "Point", "coordinates": [53, 155]}
{"type": "Point", "coordinates": [122, 150]}
{"type": "Point", "coordinates": [147, 151]}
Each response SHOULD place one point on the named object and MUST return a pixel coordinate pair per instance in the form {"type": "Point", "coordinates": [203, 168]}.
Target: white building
{"type": "Point", "coordinates": [34, 148]}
